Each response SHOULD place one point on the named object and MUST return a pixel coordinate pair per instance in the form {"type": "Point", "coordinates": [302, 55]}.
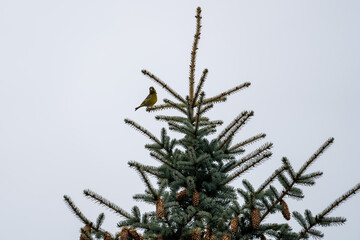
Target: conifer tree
{"type": "Point", "coordinates": [193, 197]}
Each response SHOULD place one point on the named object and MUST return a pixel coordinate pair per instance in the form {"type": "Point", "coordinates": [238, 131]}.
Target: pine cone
{"type": "Point", "coordinates": [182, 194]}
{"type": "Point", "coordinates": [285, 211]}
{"type": "Point", "coordinates": [107, 236]}
{"type": "Point", "coordinates": [87, 229]}
{"type": "Point", "coordinates": [213, 237]}
{"type": "Point", "coordinates": [134, 234]}
{"type": "Point", "coordinates": [196, 235]}
{"type": "Point", "coordinates": [234, 224]}
{"type": "Point", "coordinates": [226, 237]}
{"type": "Point", "coordinates": [255, 218]}
{"type": "Point", "coordinates": [196, 198]}
{"type": "Point", "coordinates": [124, 234]}
{"type": "Point", "coordinates": [159, 238]}
{"type": "Point", "coordinates": [208, 233]}
{"type": "Point", "coordinates": [160, 208]}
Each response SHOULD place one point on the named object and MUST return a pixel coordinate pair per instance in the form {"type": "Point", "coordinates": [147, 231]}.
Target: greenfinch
{"type": "Point", "coordinates": [150, 100]}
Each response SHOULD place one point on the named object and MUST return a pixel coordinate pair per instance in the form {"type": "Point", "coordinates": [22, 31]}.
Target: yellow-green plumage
{"type": "Point", "coordinates": [150, 100]}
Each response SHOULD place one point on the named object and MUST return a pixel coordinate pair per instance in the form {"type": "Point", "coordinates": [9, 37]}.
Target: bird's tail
{"type": "Point", "coordinates": [137, 108]}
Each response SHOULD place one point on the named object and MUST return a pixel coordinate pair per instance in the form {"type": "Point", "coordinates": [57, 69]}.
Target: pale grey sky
{"type": "Point", "coordinates": [70, 73]}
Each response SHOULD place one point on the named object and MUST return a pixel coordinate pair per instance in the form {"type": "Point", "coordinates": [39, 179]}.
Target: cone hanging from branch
{"type": "Point", "coordinates": [107, 236]}
{"type": "Point", "coordinates": [255, 218]}
{"type": "Point", "coordinates": [124, 234]}
{"type": "Point", "coordinates": [226, 237]}
{"type": "Point", "coordinates": [285, 211]}
{"type": "Point", "coordinates": [134, 234]}
{"type": "Point", "coordinates": [87, 229]}
{"type": "Point", "coordinates": [182, 194]}
{"type": "Point", "coordinates": [234, 224]}
{"type": "Point", "coordinates": [208, 233]}
{"type": "Point", "coordinates": [196, 198]}
{"type": "Point", "coordinates": [160, 208]}
{"type": "Point", "coordinates": [196, 235]}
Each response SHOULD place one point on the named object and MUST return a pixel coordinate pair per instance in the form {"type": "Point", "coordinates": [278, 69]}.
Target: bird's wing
{"type": "Point", "coordinates": [147, 99]}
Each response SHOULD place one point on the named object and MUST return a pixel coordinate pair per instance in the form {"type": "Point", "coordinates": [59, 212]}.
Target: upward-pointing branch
{"type": "Point", "coordinates": [315, 155]}
{"type": "Point", "coordinates": [193, 53]}
{"type": "Point", "coordinates": [336, 203]}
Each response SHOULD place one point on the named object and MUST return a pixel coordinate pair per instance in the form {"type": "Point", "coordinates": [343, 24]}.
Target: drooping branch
{"type": "Point", "coordinates": [163, 161]}
{"type": "Point", "coordinates": [76, 211]}
{"type": "Point", "coordinates": [193, 53]}
{"type": "Point", "coordinates": [164, 85]}
{"type": "Point", "coordinates": [147, 182]}
{"type": "Point", "coordinates": [102, 201]}
{"type": "Point", "coordinates": [143, 130]}
{"type": "Point", "coordinates": [149, 169]}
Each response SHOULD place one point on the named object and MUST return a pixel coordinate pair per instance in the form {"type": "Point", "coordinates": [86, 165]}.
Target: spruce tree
{"type": "Point", "coordinates": [193, 197]}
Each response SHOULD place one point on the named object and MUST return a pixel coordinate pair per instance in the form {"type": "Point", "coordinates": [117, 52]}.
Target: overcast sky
{"type": "Point", "coordinates": [70, 72]}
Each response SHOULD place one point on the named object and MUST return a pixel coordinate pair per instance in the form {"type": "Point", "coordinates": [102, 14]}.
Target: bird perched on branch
{"type": "Point", "coordinates": [150, 100]}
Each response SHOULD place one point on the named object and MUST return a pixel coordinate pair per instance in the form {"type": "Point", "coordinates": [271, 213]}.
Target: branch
{"type": "Point", "coordinates": [175, 105]}
{"type": "Point", "coordinates": [271, 178]}
{"type": "Point", "coordinates": [248, 141]}
{"type": "Point", "coordinates": [143, 130]}
{"type": "Point", "coordinates": [232, 133]}
{"type": "Point", "coordinates": [76, 211]}
{"type": "Point", "coordinates": [315, 155]}
{"type": "Point", "coordinates": [102, 201]}
{"type": "Point", "coordinates": [244, 169]}
{"type": "Point", "coordinates": [147, 182]}
{"type": "Point", "coordinates": [340, 200]}
{"type": "Point", "coordinates": [327, 210]}
{"type": "Point", "coordinates": [253, 154]}
{"type": "Point", "coordinates": [226, 93]}
{"type": "Point", "coordinates": [193, 53]}
{"type": "Point", "coordinates": [199, 86]}
{"type": "Point", "coordinates": [152, 76]}
{"type": "Point", "coordinates": [198, 112]}
{"type": "Point", "coordinates": [231, 125]}
{"type": "Point", "coordinates": [149, 169]}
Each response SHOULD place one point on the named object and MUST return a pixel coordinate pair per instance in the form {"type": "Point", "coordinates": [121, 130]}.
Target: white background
{"type": "Point", "coordinates": [70, 72]}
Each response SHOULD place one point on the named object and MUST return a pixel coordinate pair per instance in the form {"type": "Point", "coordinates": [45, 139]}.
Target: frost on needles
{"type": "Point", "coordinates": [193, 196]}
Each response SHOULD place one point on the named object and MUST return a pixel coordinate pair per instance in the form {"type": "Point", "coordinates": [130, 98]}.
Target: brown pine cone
{"type": "Point", "coordinates": [124, 234]}
{"type": "Point", "coordinates": [195, 236]}
{"type": "Point", "coordinates": [255, 218]}
{"type": "Point", "coordinates": [107, 236]}
{"type": "Point", "coordinates": [285, 211]}
{"type": "Point", "coordinates": [134, 234]}
{"type": "Point", "coordinates": [208, 233]}
{"type": "Point", "coordinates": [234, 224]}
{"type": "Point", "coordinates": [196, 198]}
{"type": "Point", "coordinates": [182, 194]}
{"type": "Point", "coordinates": [160, 208]}
{"type": "Point", "coordinates": [87, 229]}
{"type": "Point", "coordinates": [226, 237]}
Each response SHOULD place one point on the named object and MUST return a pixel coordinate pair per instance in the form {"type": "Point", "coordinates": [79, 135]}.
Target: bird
{"type": "Point", "coordinates": [150, 100]}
